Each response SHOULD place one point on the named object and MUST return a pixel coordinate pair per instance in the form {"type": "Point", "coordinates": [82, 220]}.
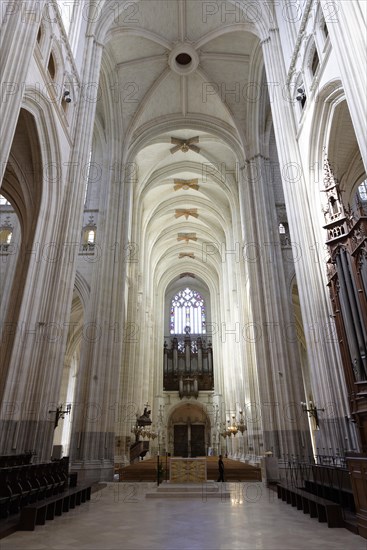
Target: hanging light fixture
{"type": "Point", "coordinates": [241, 423]}
{"type": "Point", "coordinates": [233, 428]}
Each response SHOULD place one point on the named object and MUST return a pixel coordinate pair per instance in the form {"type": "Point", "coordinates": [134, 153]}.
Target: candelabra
{"type": "Point", "coordinates": [241, 424]}
{"type": "Point", "coordinates": [242, 428]}
{"type": "Point", "coordinates": [228, 431]}
{"type": "Point", "coordinates": [312, 410]}
{"type": "Point", "coordinates": [60, 414]}
{"type": "Point", "coordinates": [143, 431]}
{"type": "Point", "coordinates": [233, 428]}
{"type": "Point", "coordinates": [225, 433]}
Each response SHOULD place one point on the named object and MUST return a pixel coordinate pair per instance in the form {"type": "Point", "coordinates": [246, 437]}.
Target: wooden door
{"type": "Point", "coordinates": [180, 440]}
{"type": "Point", "coordinates": [197, 440]}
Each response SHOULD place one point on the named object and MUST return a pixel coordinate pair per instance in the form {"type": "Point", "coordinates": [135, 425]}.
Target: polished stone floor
{"type": "Point", "coordinates": [120, 517]}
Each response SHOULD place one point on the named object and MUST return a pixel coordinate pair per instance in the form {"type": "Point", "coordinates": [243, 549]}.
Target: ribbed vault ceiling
{"type": "Point", "coordinates": [213, 87]}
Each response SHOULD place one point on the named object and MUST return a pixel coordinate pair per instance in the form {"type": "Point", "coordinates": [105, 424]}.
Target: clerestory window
{"type": "Point", "coordinates": [362, 191]}
{"type": "Point", "coordinates": [188, 313]}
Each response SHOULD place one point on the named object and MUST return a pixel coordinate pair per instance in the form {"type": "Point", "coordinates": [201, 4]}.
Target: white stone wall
{"type": "Point", "coordinates": [120, 285]}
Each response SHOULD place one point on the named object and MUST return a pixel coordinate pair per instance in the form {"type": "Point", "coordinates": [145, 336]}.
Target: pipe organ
{"type": "Point", "coordinates": [188, 364]}
{"type": "Point", "coordinates": [347, 281]}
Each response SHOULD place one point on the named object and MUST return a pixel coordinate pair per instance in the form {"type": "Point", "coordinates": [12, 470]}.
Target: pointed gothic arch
{"type": "Point", "coordinates": [22, 185]}
{"type": "Point", "coordinates": [189, 430]}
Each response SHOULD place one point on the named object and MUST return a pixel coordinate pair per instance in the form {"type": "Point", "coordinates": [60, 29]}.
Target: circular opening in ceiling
{"type": "Point", "coordinates": [183, 59]}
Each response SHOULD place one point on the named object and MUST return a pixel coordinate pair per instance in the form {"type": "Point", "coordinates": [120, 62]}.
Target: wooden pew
{"type": "Point", "coordinates": [16, 460]}
{"type": "Point", "coordinates": [325, 510]}
{"type": "Point", "coordinates": [342, 496]}
{"type": "Point", "coordinates": [38, 512]}
{"type": "Point", "coordinates": [10, 494]}
{"type": "Point", "coordinates": [21, 485]}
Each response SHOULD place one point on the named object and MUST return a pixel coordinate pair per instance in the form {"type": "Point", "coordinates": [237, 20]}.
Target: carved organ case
{"type": "Point", "coordinates": [347, 280]}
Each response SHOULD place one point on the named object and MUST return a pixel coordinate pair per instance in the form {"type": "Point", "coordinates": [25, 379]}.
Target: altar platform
{"type": "Point", "coordinates": [146, 470]}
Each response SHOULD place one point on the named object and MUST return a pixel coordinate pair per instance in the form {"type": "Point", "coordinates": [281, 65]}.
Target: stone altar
{"type": "Point", "coordinates": [187, 470]}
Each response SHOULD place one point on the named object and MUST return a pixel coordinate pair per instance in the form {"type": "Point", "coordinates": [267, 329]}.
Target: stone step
{"type": "Point", "coordinates": [210, 487]}
{"type": "Point", "coordinates": [206, 490]}
{"type": "Point", "coordinates": [225, 495]}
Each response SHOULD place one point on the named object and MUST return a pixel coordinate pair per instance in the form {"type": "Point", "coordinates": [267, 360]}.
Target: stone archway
{"type": "Point", "coordinates": [188, 431]}
{"type": "Point", "coordinates": [22, 186]}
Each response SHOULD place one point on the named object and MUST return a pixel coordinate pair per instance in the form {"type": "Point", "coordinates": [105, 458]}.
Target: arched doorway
{"type": "Point", "coordinates": [188, 431]}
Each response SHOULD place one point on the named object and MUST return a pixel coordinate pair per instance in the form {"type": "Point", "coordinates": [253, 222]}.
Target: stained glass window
{"type": "Point", "coordinates": [188, 313]}
{"type": "Point", "coordinates": [362, 191]}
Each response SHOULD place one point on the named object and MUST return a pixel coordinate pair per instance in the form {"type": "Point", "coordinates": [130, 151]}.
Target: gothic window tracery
{"type": "Point", "coordinates": [188, 312]}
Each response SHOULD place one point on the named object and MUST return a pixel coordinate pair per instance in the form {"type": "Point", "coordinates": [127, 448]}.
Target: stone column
{"type": "Point", "coordinates": [324, 358]}
{"type": "Point", "coordinates": [97, 404]}
{"type": "Point", "coordinates": [279, 378]}
{"type": "Point", "coordinates": [36, 363]}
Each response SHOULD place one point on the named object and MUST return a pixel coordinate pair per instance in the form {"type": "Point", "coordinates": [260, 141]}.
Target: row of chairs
{"type": "Point", "coordinates": [16, 460]}
{"type": "Point", "coordinates": [23, 485]}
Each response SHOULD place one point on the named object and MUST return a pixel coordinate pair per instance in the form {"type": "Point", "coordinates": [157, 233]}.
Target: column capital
{"type": "Point", "coordinates": [255, 157]}
{"type": "Point", "coordinates": [95, 41]}
{"type": "Point", "coordinates": [267, 39]}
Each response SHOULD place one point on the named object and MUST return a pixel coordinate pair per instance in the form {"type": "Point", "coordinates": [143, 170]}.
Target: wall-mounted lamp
{"type": "Point", "coordinates": [60, 414]}
{"type": "Point", "coordinates": [312, 410]}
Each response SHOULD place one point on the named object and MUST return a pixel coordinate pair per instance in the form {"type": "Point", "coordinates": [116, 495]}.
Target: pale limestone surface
{"type": "Point", "coordinates": [90, 325]}
{"type": "Point", "coordinates": [121, 517]}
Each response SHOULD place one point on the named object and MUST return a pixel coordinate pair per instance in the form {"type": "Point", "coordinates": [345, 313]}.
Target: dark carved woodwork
{"type": "Point", "coordinates": [22, 483]}
{"type": "Point", "coordinates": [189, 441]}
{"type": "Point", "coordinates": [347, 281]}
{"type": "Point", "coordinates": [197, 440]}
{"type": "Point", "coordinates": [138, 450]}
{"type": "Point", "coordinates": [180, 440]}
{"type": "Point", "coordinates": [350, 311]}
{"type": "Point", "coordinates": [357, 464]}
